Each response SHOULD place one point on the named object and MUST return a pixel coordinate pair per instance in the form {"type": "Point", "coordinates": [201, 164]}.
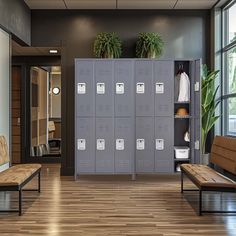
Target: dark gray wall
{"type": "Point", "coordinates": [15, 17]}
{"type": "Point", "coordinates": [186, 35]}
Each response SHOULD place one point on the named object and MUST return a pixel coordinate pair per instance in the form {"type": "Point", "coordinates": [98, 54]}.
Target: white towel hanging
{"type": "Point", "coordinates": [184, 88]}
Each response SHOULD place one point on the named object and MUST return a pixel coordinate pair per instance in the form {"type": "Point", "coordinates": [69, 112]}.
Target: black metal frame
{"type": "Point", "coordinates": [19, 188]}
{"type": "Point", "coordinates": [201, 190]}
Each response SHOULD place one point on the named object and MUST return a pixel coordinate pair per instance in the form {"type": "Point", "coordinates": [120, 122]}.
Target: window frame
{"type": "Point", "coordinates": [225, 48]}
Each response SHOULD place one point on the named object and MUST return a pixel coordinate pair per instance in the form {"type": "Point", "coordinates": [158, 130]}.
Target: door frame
{"type": "Point", "coordinates": [26, 62]}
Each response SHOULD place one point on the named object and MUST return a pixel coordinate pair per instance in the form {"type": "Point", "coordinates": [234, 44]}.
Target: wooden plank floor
{"type": "Point", "coordinates": [151, 205]}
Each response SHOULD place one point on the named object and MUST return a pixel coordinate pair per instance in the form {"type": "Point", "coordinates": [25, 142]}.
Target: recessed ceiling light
{"type": "Point", "coordinates": [53, 51]}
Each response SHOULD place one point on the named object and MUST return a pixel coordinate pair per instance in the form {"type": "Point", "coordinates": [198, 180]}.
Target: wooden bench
{"type": "Point", "coordinates": [16, 177]}
{"type": "Point", "coordinates": [223, 155]}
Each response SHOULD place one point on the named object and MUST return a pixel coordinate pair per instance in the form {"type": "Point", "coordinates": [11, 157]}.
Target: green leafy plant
{"type": "Point", "coordinates": [107, 45]}
{"type": "Point", "coordinates": [209, 103]}
{"type": "Point", "coordinates": [149, 45]}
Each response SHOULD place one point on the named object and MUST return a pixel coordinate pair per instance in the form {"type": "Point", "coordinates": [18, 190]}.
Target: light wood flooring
{"type": "Point", "coordinates": [108, 205]}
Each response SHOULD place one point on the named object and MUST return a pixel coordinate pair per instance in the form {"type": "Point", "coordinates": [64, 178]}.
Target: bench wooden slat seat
{"type": "Point", "coordinates": [16, 175]}
{"type": "Point", "coordinates": [204, 176]}
{"type": "Point", "coordinates": [223, 155]}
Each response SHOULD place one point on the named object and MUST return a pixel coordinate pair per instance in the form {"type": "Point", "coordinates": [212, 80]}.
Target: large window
{"type": "Point", "coordinates": [229, 69]}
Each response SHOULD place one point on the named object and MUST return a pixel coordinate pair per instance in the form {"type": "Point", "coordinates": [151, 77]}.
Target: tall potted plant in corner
{"type": "Point", "coordinates": [107, 45]}
{"type": "Point", "coordinates": [149, 45]}
{"type": "Point", "coordinates": [208, 106]}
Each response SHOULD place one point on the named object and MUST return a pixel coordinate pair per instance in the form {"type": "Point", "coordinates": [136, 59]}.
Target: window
{"type": "Point", "coordinates": [230, 23]}
{"type": "Point", "coordinates": [229, 69]}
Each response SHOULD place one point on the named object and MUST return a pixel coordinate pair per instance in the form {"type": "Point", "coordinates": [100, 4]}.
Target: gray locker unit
{"type": "Point", "coordinates": [125, 115]}
{"type": "Point", "coordinates": [85, 143]}
{"type": "Point", "coordinates": [85, 96]}
{"type": "Point", "coordinates": [124, 145]}
{"type": "Point", "coordinates": [103, 73]}
{"type": "Point", "coordinates": [123, 87]}
{"type": "Point", "coordinates": [144, 88]}
{"type": "Point", "coordinates": [105, 155]}
{"type": "Point", "coordinates": [164, 87]}
{"type": "Point", "coordinates": [164, 141]}
{"type": "Point", "coordinates": [145, 152]}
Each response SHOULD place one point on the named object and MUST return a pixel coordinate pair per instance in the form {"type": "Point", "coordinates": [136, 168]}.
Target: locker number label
{"type": "Point", "coordinates": [159, 144]}
{"type": "Point", "coordinates": [159, 87]}
{"type": "Point", "coordinates": [140, 88]}
{"type": "Point", "coordinates": [81, 88]}
{"type": "Point", "coordinates": [81, 144]}
{"type": "Point", "coordinates": [120, 89]}
{"type": "Point", "coordinates": [140, 144]}
{"type": "Point", "coordinates": [100, 144]}
{"type": "Point", "coordinates": [120, 144]}
{"type": "Point", "coordinates": [100, 88]}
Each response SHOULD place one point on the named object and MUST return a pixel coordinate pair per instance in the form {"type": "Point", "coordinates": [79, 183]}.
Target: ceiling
{"type": "Point", "coordinates": [18, 50]}
{"type": "Point", "coordinates": [121, 4]}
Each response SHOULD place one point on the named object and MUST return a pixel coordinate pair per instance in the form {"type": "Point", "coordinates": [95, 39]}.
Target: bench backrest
{"type": "Point", "coordinates": [4, 156]}
{"type": "Point", "coordinates": [223, 153]}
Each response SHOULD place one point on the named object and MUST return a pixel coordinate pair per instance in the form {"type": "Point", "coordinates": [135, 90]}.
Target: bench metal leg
{"type": "Point", "coordinates": [20, 202]}
{"type": "Point", "coordinates": [200, 203]}
{"type": "Point", "coordinates": [182, 182]}
{"type": "Point", "coordinates": [39, 182]}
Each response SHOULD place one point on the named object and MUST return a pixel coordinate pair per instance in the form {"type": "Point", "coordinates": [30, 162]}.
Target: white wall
{"type": "Point", "coordinates": [5, 85]}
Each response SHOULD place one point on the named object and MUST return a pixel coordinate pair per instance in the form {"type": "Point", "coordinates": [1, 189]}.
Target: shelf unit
{"type": "Point", "coordinates": [182, 124]}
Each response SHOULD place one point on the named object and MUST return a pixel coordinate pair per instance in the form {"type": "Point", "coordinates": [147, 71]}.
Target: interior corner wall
{"type": "Point", "coordinates": [186, 34]}
{"type": "Point", "coordinates": [15, 18]}
{"type": "Point", "coordinates": [5, 85]}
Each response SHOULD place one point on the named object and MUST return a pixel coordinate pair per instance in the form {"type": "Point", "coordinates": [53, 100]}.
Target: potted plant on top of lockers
{"type": "Point", "coordinates": [208, 106]}
{"type": "Point", "coordinates": [149, 45]}
{"type": "Point", "coordinates": [107, 45]}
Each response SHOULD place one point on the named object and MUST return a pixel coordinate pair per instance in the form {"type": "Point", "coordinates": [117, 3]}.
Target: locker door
{"type": "Point", "coordinates": [105, 145]}
{"type": "Point", "coordinates": [164, 88]}
{"type": "Point", "coordinates": [144, 88]}
{"type": "Point", "coordinates": [85, 97]}
{"type": "Point", "coordinates": [85, 143]}
{"type": "Point", "coordinates": [124, 145]}
{"type": "Point", "coordinates": [104, 88]}
{"type": "Point", "coordinates": [123, 87]}
{"type": "Point", "coordinates": [196, 110]}
{"type": "Point", "coordinates": [164, 141]}
{"type": "Point", "coordinates": [145, 144]}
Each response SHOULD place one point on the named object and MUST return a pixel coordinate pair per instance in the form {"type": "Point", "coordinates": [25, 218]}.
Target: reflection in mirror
{"type": "Point", "coordinates": [45, 112]}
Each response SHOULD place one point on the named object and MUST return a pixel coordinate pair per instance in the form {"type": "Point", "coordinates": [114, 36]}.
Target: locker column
{"type": "Point", "coordinates": [104, 103]}
{"type": "Point", "coordinates": [144, 110]}
{"type": "Point", "coordinates": [85, 117]}
{"type": "Point", "coordinates": [124, 116]}
{"type": "Point", "coordinates": [164, 118]}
